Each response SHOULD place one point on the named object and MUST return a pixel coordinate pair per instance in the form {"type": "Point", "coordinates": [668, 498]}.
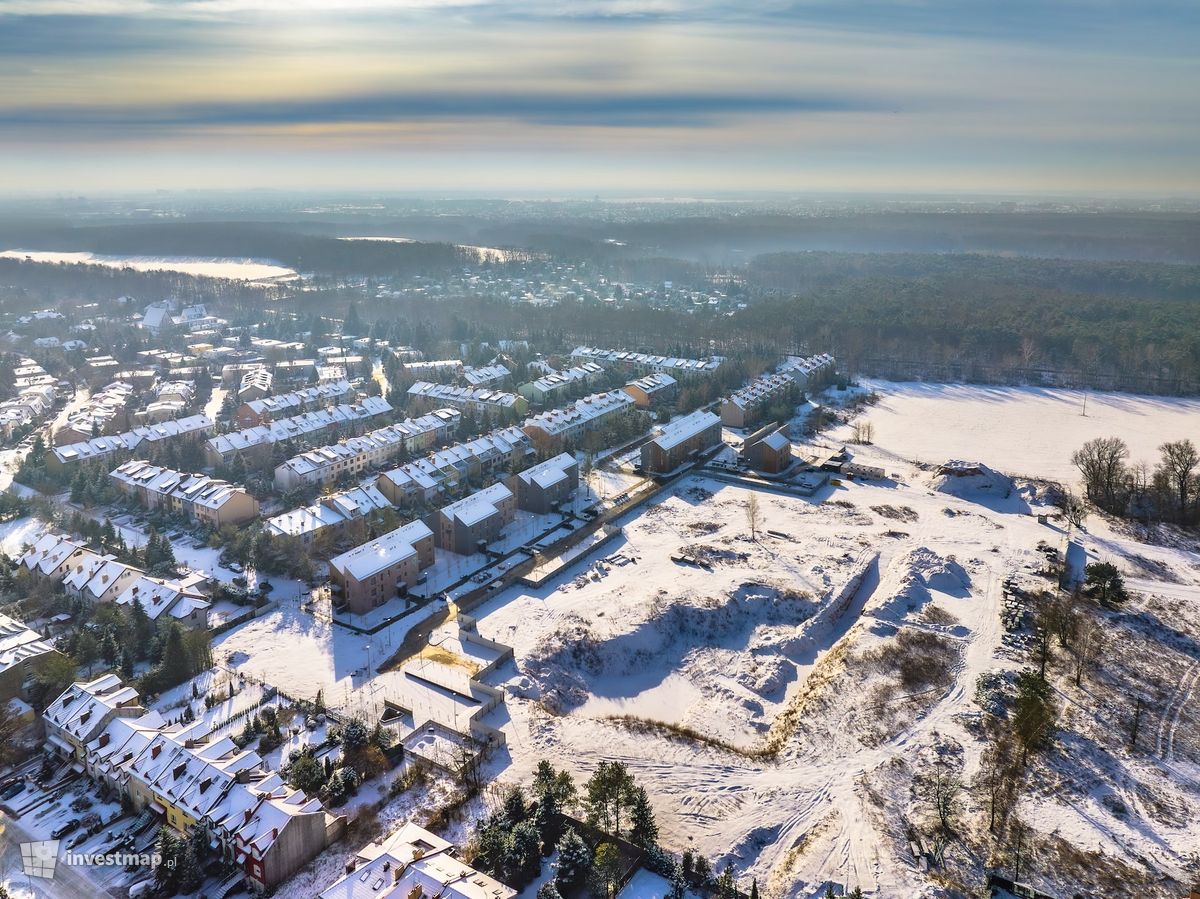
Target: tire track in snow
{"type": "Point", "coordinates": [1169, 724]}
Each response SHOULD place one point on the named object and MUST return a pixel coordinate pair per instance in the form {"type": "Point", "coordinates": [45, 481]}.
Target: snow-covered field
{"type": "Point", "coordinates": [1020, 430]}
{"type": "Point", "coordinates": [783, 733]}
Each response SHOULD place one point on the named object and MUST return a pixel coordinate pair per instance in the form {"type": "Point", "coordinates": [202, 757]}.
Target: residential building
{"type": "Point", "coordinates": [426, 395]}
{"type": "Point", "coordinates": [356, 456]}
{"type": "Point", "coordinates": [652, 390]}
{"type": "Point", "coordinates": [330, 517]}
{"type": "Point", "coordinates": [492, 375]}
{"type": "Point", "coordinates": [768, 449]}
{"type": "Point", "coordinates": [186, 778]}
{"type": "Point", "coordinates": [553, 429]}
{"type": "Point", "coordinates": [423, 480]}
{"type": "Point", "coordinates": [171, 600]}
{"type": "Point", "coordinates": [51, 556]}
{"type": "Point", "coordinates": [370, 575]}
{"type": "Point", "coordinates": [746, 407]}
{"type": "Point", "coordinates": [255, 384]}
{"type": "Point", "coordinates": [19, 648]}
{"type": "Point", "coordinates": [146, 439]}
{"type": "Point", "coordinates": [545, 487]}
{"type": "Point", "coordinates": [201, 498]}
{"type": "Point", "coordinates": [551, 389]}
{"type": "Point", "coordinates": [439, 370]}
{"type": "Point", "coordinates": [413, 862]}
{"type": "Point", "coordinates": [680, 440]}
{"type": "Point", "coordinates": [465, 526]}
{"type": "Point", "coordinates": [104, 414]}
{"type": "Point", "coordinates": [645, 363]}
{"type": "Point", "coordinates": [255, 443]}
{"type": "Point", "coordinates": [269, 408]}
{"type": "Point", "coordinates": [84, 710]}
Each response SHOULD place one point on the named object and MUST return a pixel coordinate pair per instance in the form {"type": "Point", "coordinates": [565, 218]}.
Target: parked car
{"type": "Point", "coordinates": [65, 829]}
{"type": "Point", "coordinates": [12, 790]}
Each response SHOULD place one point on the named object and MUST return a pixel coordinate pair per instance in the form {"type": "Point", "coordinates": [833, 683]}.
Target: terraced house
{"type": "Point", "coordinates": [187, 780]}
{"type": "Point", "coordinates": [203, 499]}
{"type": "Point", "coordinates": [554, 429]}
{"type": "Point", "coordinates": [357, 455]}
{"type": "Point", "coordinates": [480, 400]}
{"type": "Point", "coordinates": [269, 408]}
{"type": "Point", "coordinates": [646, 363]}
{"type": "Point", "coordinates": [473, 461]}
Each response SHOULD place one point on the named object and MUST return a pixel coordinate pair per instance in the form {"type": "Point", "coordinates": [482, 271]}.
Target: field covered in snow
{"type": "Point", "coordinates": [1019, 430]}
{"type": "Point", "coordinates": [200, 266]}
{"type": "Point", "coordinates": [782, 698]}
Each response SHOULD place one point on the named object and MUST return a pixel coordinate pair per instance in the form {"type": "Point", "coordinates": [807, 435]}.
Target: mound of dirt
{"type": "Point", "coordinates": [968, 479]}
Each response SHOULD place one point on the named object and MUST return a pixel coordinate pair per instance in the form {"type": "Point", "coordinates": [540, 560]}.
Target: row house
{"type": "Point", "coordinates": [486, 375]}
{"type": "Point", "coordinates": [255, 443]}
{"type": "Point", "coordinates": [440, 370]}
{"type": "Point", "coordinates": [357, 455]}
{"type": "Point", "coordinates": [653, 390]}
{"type": "Point", "coordinates": [30, 405]}
{"type": "Point", "coordinates": [169, 600]}
{"type": "Point", "coordinates": [370, 575]}
{"type": "Point", "coordinates": [747, 406]}
{"type": "Point", "coordinates": [201, 498]}
{"type": "Point", "coordinates": [426, 395]}
{"type": "Point", "coordinates": [479, 460]}
{"type": "Point", "coordinates": [413, 862]}
{"type": "Point", "coordinates": [330, 517]}
{"type": "Point", "coordinates": [645, 363]}
{"type": "Point", "coordinates": [146, 439]}
{"type": "Point", "coordinates": [269, 408]}
{"type": "Point", "coordinates": [98, 578]}
{"type": "Point", "coordinates": [188, 779]}
{"type": "Point", "coordinates": [553, 387]}
{"type": "Point", "coordinates": [20, 648]}
{"type": "Point", "coordinates": [810, 372]}
{"type": "Point", "coordinates": [680, 441]}
{"type": "Point", "coordinates": [51, 556]}
{"type": "Point", "coordinates": [555, 428]}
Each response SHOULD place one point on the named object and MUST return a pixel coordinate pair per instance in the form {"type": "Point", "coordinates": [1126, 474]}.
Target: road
{"type": "Point", "coordinates": [67, 883]}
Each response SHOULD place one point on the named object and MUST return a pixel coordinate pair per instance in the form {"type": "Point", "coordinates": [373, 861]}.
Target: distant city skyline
{"type": "Point", "coordinates": [608, 96]}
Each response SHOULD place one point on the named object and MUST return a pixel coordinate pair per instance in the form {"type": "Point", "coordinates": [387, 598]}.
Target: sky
{"type": "Point", "coordinates": [645, 97]}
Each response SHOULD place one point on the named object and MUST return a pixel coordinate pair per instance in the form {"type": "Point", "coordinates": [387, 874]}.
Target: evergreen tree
{"type": "Point", "coordinates": [140, 630]}
{"type": "Point", "coordinates": [574, 859]}
{"type": "Point", "coordinates": [548, 890]}
{"type": "Point", "coordinates": [643, 830]}
{"type": "Point", "coordinates": [176, 665]}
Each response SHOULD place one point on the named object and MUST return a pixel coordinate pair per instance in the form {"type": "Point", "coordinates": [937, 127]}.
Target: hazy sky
{"type": "Point", "coordinates": [609, 96]}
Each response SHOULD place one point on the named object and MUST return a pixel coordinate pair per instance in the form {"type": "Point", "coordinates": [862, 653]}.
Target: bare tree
{"type": "Point", "coordinates": [863, 431]}
{"type": "Point", "coordinates": [1089, 641]}
{"type": "Point", "coordinates": [1178, 470]}
{"type": "Point", "coordinates": [998, 777]}
{"type": "Point", "coordinates": [753, 515]}
{"type": "Point", "coordinates": [1102, 464]}
{"type": "Point", "coordinates": [1074, 509]}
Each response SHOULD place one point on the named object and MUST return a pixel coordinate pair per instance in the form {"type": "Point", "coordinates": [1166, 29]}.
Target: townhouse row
{"type": "Point", "coordinates": [188, 779]}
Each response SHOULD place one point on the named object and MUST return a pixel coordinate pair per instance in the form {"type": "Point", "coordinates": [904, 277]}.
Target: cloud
{"type": "Point", "coordinates": [689, 110]}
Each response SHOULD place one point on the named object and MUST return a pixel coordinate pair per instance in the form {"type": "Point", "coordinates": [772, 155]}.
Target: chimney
{"type": "Point", "coordinates": [155, 750]}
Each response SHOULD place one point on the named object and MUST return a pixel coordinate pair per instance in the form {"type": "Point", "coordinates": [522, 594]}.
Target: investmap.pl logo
{"type": "Point", "coordinates": [39, 858]}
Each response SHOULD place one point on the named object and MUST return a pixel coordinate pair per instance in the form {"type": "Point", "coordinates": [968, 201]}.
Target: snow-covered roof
{"type": "Point", "coordinates": [685, 366]}
{"type": "Point", "coordinates": [447, 393]}
{"type": "Point", "coordinates": [18, 643]}
{"type": "Point", "coordinates": [588, 409]}
{"type": "Point", "coordinates": [382, 552]}
{"type": "Point", "coordinates": [479, 505]}
{"type": "Point", "coordinates": [548, 473]}
{"type": "Point", "coordinates": [682, 429]}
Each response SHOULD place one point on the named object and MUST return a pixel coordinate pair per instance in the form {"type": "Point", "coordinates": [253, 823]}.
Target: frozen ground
{"type": "Point", "coordinates": [1019, 430]}
{"type": "Point", "coordinates": [781, 736]}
